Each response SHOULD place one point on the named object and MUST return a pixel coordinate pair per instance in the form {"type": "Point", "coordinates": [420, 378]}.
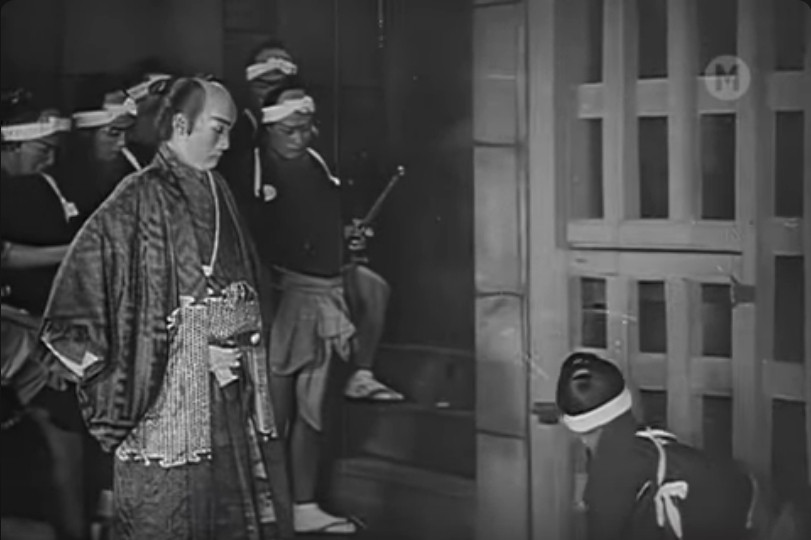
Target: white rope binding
{"type": "Point", "coordinates": [667, 510]}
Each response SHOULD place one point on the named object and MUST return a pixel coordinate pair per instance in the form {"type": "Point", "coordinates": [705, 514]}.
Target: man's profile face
{"type": "Point", "coordinates": [291, 137]}
{"type": "Point", "coordinates": [209, 137]}
{"type": "Point", "coordinates": [37, 155]}
{"type": "Point", "coordinates": [109, 140]}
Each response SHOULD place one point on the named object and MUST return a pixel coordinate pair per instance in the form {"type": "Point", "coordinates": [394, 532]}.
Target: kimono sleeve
{"type": "Point", "coordinates": [106, 317]}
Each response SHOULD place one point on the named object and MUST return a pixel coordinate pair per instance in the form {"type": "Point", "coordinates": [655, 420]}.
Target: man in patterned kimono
{"type": "Point", "coordinates": [156, 314]}
{"type": "Point", "coordinates": [642, 483]}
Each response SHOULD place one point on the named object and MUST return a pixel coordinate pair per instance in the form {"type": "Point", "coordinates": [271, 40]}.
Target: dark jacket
{"type": "Point", "coordinates": [622, 487]}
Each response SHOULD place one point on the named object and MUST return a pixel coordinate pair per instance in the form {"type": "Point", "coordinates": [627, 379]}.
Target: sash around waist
{"type": "Point", "coordinates": [306, 282]}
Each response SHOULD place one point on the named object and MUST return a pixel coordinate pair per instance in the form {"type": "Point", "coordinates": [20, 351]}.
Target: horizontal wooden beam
{"type": "Point", "coordinates": [784, 93]}
{"type": "Point", "coordinates": [709, 376]}
{"type": "Point", "coordinates": [655, 235]}
{"type": "Point", "coordinates": [706, 268]}
{"type": "Point", "coordinates": [712, 376]}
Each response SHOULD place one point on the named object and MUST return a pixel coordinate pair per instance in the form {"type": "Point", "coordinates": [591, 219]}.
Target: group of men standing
{"type": "Point", "coordinates": [197, 312]}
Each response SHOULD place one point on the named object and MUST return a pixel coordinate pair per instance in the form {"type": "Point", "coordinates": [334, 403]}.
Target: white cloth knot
{"type": "Point", "coordinates": [667, 511]}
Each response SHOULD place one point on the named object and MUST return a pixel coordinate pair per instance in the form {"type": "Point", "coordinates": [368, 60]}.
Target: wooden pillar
{"type": "Point", "coordinates": [753, 320]}
{"type": "Point", "coordinates": [551, 24]}
{"type": "Point", "coordinates": [682, 55]}
{"type": "Point", "coordinates": [807, 240]}
{"type": "Point", "coordinates": [620, 146]}
{"type": "Point", "coordinates": [499, 113]}
{"type": "Point", "coordinates": [684, 408]}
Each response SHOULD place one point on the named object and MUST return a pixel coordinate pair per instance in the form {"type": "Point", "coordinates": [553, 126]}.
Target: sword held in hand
{"type": "Point", "coordinates": [360, 230]}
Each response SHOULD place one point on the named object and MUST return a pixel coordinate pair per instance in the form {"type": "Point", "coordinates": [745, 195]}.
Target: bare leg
{"type": "Point", "coordinates": [367, 296]}
{"type": "Point", "coordinates": [302, 440]}
{"type": "Point", "coordinates": [305, 456]}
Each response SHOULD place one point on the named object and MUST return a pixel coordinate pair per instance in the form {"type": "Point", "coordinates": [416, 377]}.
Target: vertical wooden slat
{"type": "Point", "coordinates": [554, 298]}
{"type": "Point", "coordinates": [620, 293]}
{"type": "Point", "coordinates": [696, 343]}
{"type": "Point", "coordinates": [752, 326]}
{"type": "Point", "coordinates": [807, 241]}
{"type": "Point", "coordinates": [681, 297]}
{"type": "Point", "coordinates": [621, 164]}
{"type": "Point", "coordinates": [682, 59]}
{"type": "Point", "coordinates": [574, 307]}
{"type": "Point", "coordinates": [622, 328]}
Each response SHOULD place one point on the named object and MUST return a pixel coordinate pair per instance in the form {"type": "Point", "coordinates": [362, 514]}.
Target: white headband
{"type": "Point", "coordinates": [35, 130]}
{"type": "Point", "coordinates": [271, 64]}
{"type": "Point", "coordinates": [89, 119]}
{"type": "Point", "coordinates": [141, 90]}
{"type": "Point", "coordinates": [275, 113]}
{"type": "Point", "coordinates": [583, 423]}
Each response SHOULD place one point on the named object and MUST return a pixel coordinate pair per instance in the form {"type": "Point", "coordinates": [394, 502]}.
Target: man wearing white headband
{"type": "Point", "coordinates": [37, 223]}
{"type": "Point", "coordinates": [642, 483]}
{"type": "Point", "coordinates": [38, 220]}
{"type": "Point", "coordinates": [142, 140]}
{"type": "Point", "coordinates": [99, 154]}
{"type": "Point", "coordinates": [292, 205]}
{"type": "Point", "coordinates": [266, 68]}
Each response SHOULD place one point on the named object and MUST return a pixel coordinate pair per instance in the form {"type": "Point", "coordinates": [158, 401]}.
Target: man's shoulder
{"type": "Point", "coordinates": [137, 193]}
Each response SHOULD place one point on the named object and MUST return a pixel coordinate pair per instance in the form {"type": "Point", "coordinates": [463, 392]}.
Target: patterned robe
{"type": "Point", "coordinates": [130, 316]}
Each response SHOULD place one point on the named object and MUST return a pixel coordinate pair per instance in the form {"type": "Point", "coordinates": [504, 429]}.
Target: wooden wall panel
{"type": "Point", "coordinates": [495, 50]}
{"type": "Point", "coordinates": [501, 335]}
{"type": "Point", "coordinates": [501, 367]}
{"type": "Point", "coordinates": [503, 466]}
{"type": "Point", "coordinates": [497, 199]}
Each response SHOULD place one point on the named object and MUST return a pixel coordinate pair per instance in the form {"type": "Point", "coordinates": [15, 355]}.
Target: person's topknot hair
{"type": "Point", "coordinates": [186, 96]}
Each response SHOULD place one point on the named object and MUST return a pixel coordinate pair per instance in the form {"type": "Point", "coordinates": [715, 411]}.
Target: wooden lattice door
{"type": "Point", "coordinates": [682, 191]}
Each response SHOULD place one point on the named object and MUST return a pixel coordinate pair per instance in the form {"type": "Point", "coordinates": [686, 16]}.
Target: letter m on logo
{"type": "Point", "coordinates": [726, 78]}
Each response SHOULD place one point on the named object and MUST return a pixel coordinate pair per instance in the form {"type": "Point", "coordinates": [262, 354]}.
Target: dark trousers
{"type": "Point", "coordinates": [367, 295]}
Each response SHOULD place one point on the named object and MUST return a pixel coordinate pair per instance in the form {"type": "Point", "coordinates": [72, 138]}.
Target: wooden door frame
{"type": "Point", "coordinates": [549, 112]}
